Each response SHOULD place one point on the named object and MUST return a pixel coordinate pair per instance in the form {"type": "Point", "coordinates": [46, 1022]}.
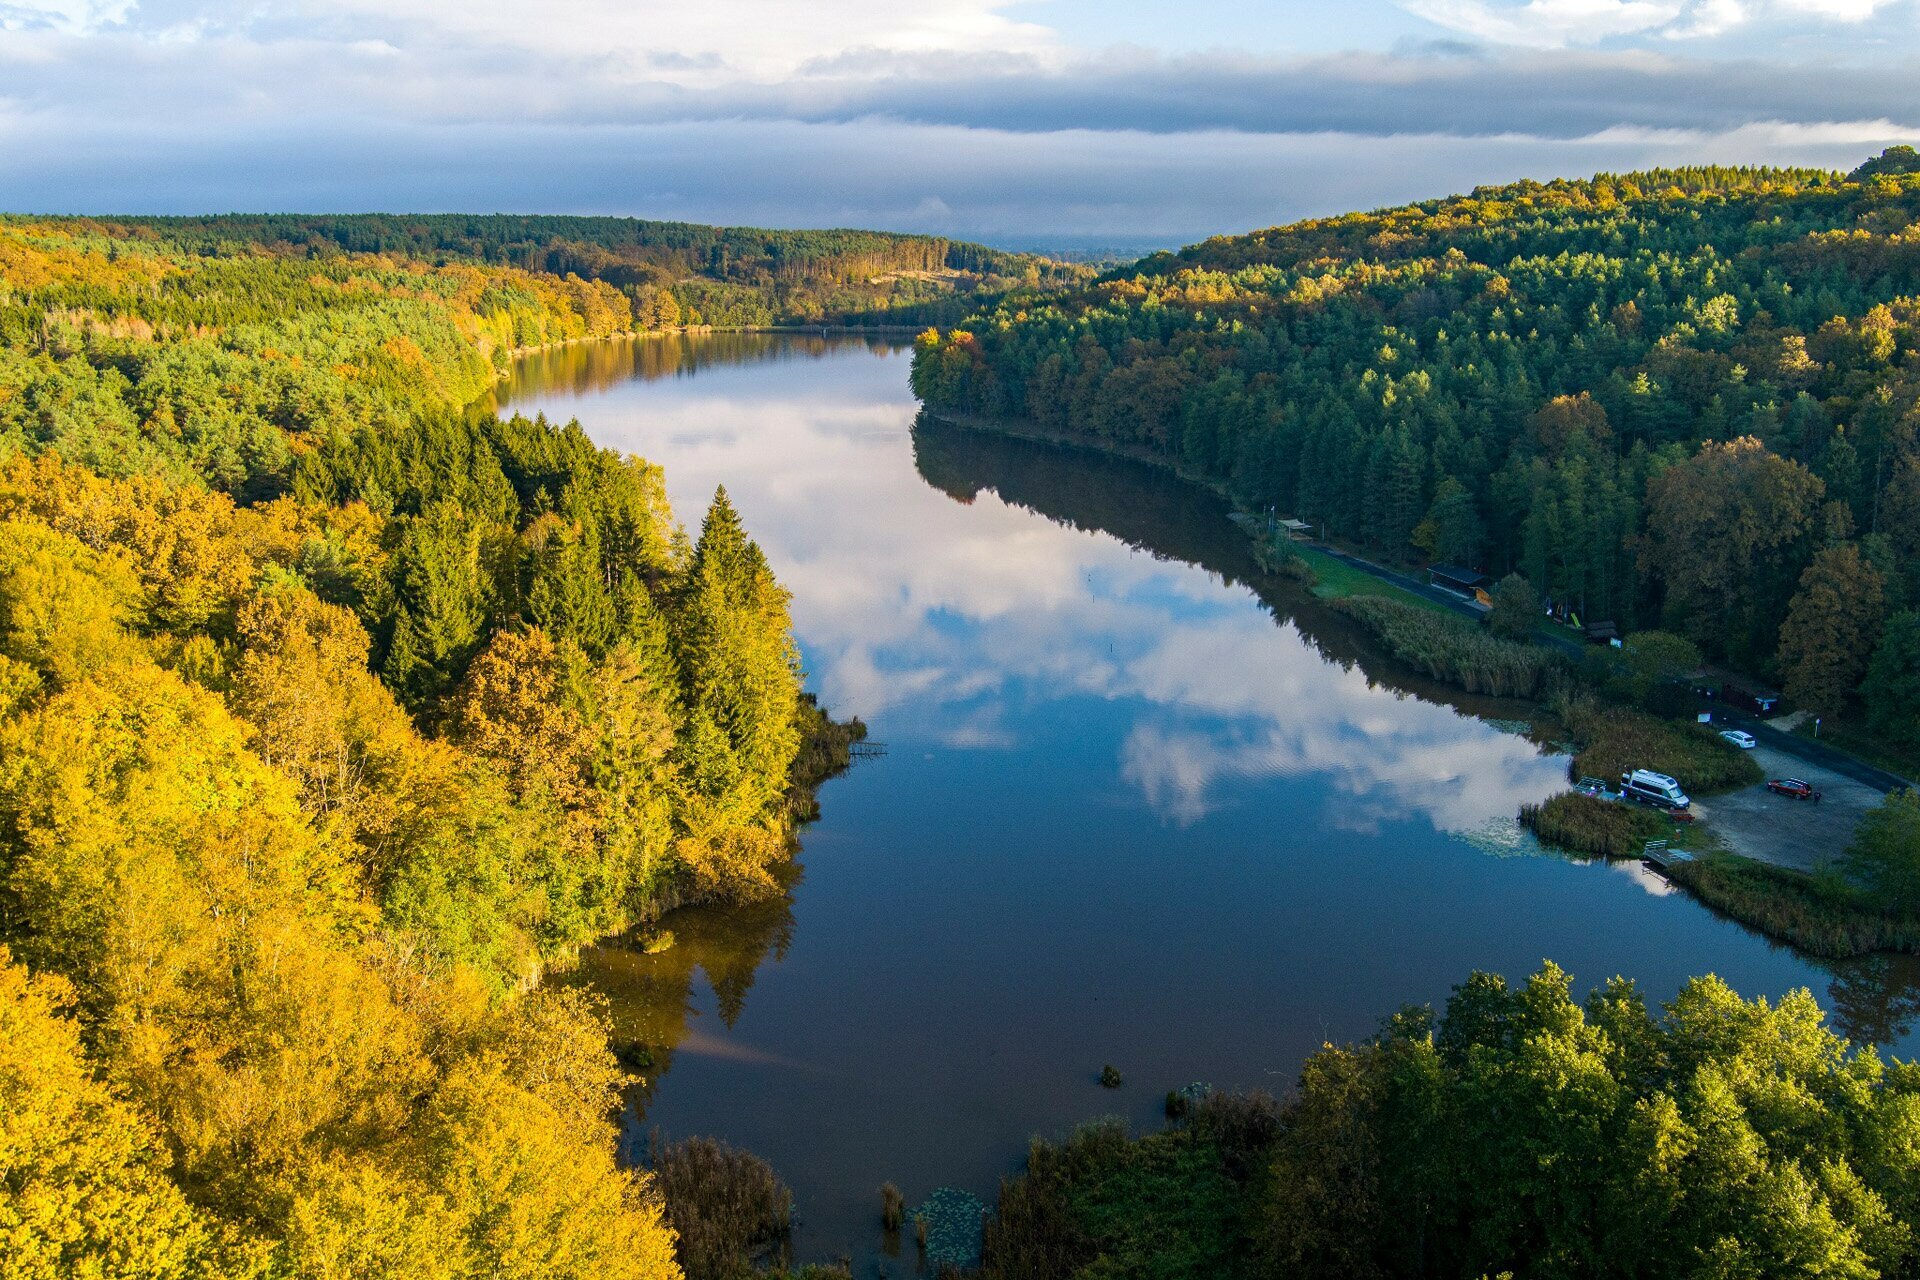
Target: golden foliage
{"type": "Point", "coordinates": [84, 1192]}
{"type": "Point", "coordinates": [532, 1202]}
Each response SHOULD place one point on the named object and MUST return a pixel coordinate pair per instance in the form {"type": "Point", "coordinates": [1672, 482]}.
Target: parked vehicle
{"type": "Point", "coordinates": [1657, 789]}
{"type": "Point", "coordinates": [1795, 788]}
{"type": "Point", "coordinates": [1739, 738]}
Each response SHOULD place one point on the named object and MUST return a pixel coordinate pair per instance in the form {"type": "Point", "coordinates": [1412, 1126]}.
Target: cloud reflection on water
{"type": "Point", "coordinates": [942, 620]}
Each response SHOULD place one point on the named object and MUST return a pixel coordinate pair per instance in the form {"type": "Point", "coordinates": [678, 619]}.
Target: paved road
{"type": "Point", "coordinates": [1799, 834]}
{"type": "Point", "coordinates": [1815, 753]}
{"type": "Point", "coordinates": [1792, 744]}
{"type": "Point", "coordinates": [1439, 595]}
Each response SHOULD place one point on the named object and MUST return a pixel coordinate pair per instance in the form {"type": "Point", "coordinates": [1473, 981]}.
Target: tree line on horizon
{"type": "Point", "coordinates": [672, 273]}
{"type": "Point", "coordinates": [1685, 399]}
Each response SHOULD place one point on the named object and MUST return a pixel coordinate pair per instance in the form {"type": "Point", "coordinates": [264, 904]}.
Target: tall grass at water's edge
{"type": "Point", "coordinates": [1586, 824]}
{"type": "Point", "coordinates": [1821, 914]}
{"type": "Point", "coordinates": [1451, 649]}
{"type": "Point", "coordinates": [1615, 740]}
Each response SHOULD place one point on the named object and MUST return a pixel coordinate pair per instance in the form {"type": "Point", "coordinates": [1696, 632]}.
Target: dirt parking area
{"type": "Point", "coordinates": [1786, 832]}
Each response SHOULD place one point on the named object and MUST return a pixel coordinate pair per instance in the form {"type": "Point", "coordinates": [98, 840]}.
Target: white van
{"type": "Point", "coordinates": [1649, 787]}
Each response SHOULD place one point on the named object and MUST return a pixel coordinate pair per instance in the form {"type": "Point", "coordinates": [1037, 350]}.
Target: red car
{"type": "Point", "coordinates": [1793, 787]}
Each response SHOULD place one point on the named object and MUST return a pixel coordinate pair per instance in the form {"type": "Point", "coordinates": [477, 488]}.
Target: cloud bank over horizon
{"type": "Point", "coordinates": [1005, 121]}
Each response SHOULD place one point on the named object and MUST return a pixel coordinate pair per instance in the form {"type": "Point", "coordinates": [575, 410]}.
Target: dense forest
{"type": "Point", "coordinates": [673, 273]}
{"type": "Point", "coordinates": [333, 713]}
{"type": "Point", "coordinates": [216, 348]}
{"type": "Point", "coordinates": [1685, 399]}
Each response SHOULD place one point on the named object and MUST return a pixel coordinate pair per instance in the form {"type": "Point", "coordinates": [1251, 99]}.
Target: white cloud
{"type": "Point", "coordinates": [1837, 10]}
{"type": "Point", "coordinates": [1710, 18]}
{"type": "Point", "coordinates": [1550, 23]}
{"type": "Point", "coordinates": [655, 39]}
{"type": "Point", "coordinates": [1554, 24]}
{"type": "Point", "coordinates": [70, 17]}
{"type": "Point", "coordinates": [951, 116]}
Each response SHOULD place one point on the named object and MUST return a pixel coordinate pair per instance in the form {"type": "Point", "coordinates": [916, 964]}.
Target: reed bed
{"type": "Point", "coordinates": [1615, 740]}
{"type": "Point", "coordinates": [1821, 914]}
{"type": "Point", "coordinates": [1449, 648]}
{"type": "Point", "coordinates": [1170, 1204]}
{"type": "Point", "coordinates": [1586, 824]}
{"type": "Point", "coordinates": [727, 1205]}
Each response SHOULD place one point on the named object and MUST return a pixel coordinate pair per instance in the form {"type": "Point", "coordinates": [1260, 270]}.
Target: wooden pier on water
{"type": "Point", "coordinates": [864, 750]}
{"type": "Point", "coordinates": [1657, 854]}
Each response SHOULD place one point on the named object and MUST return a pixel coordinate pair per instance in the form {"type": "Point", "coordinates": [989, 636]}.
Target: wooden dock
{"type": "Point", "coordinates": [1657, 853]}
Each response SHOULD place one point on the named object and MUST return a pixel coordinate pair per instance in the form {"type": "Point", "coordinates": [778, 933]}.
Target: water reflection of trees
{"type": "Point", "coordinates": [1872, 998]}
{"type": "Point", "coordinates": [587, 368]}
{"type": "Point", "coordinates": [652, 1004]}
{"type": "Point", "coordinates": [1876, 998]}
{"type": "Point", "coordinates": [1154, 511]}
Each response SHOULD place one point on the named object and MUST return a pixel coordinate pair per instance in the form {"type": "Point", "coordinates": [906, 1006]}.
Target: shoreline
{"type": "Point", "coordinates": [1775, 902]}
{"type": "Point", "coordinates": [1027, 429]}
{"type": "Point", "coordinates": [634, 335]}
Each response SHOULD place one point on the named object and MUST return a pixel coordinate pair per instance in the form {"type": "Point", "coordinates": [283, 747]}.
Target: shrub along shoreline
{"type": "Point", "coordinates": [1820, 914]}
{"type": "Point", "coordinates": [1587, 824]}
{"type": "Point", "coordinates": [1615, 740]}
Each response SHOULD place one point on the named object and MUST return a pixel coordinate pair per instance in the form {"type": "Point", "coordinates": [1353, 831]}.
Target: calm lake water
{"type": "Point", "coordinates": [1137, 806]}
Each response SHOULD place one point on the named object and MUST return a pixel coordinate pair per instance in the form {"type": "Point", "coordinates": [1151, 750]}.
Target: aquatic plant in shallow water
{"type": "Point", "coordinates": [1502, 837]}
{"type": "Point", "coordinates": [1182, 1102]}
{"type": "Point", "coordinates": [954, 1221]}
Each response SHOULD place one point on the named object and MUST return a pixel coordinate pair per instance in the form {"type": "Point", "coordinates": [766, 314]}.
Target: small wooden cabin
{"type": "Point", "coordinates": [1470, 583]}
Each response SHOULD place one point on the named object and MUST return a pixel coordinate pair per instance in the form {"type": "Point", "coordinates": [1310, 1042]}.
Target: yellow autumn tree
{"type": "Point", "coordinates": [533, 1202]}
{"type": "Point", "coordinates": [84, 1191]}
{"type": "Point", "coordinates": [206, 926]}
{"type": "Point", "coordinates": [518, 709]}
{"type": "Point", "coordinates": [63, 606]}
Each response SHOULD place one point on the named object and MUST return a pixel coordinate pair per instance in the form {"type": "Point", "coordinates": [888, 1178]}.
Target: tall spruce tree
{"type": "Point", "coordinates": [443, 596]}
{"type": "Point", "coordinates": [740, 687]}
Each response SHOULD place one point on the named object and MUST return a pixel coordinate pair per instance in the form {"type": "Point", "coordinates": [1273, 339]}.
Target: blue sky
{"type": "Point", "coordinates": [1017, 121]}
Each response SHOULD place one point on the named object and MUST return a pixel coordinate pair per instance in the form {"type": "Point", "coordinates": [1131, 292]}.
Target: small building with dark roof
{"type": "Point", "coordinates": [1451, 577]}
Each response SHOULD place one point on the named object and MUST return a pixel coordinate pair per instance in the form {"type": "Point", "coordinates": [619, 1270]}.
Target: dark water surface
{"type": "Point", "coordinates": [1130, 812]}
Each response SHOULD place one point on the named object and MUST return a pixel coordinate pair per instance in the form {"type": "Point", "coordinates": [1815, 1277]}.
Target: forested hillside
{"type": "Point", "coordinates": [332, 713]}
{"type": "Point", "coordinates": [1684, 399]}
{"type": "Point", "coordinates": [672, 272]}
